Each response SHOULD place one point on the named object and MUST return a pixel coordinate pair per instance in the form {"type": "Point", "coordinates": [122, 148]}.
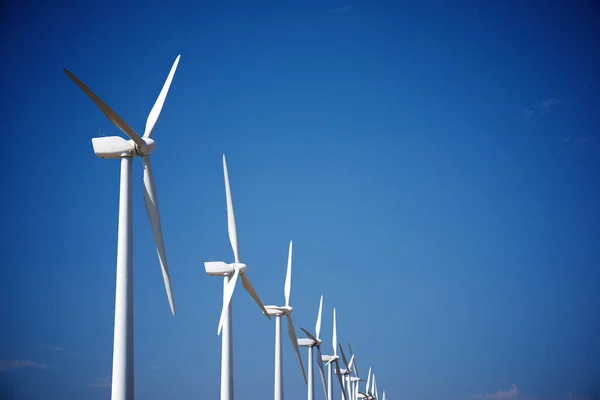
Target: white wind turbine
{"type": "Point", "coordinates": [311, 342]}
{"type": "Point", "coordinates": [230, 272]}
{"type": "Point", "coordinates": [346, 372]}
{"type": "Point", "coordinates": [333, 359]}
{"type": "Point", "coordinates": [126, 150]}
{"type": "Point", "coordinates": [366, 394]}
{"type": "Point", "coordinates": [354, 380]}
{"type": "Point", "coordinates": [278, 312]}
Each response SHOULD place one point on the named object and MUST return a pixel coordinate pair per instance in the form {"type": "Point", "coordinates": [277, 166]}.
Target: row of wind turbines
{"type": "Point", "coordinates": [123, 349]}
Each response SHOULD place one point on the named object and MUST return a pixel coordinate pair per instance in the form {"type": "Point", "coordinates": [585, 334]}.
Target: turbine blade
{"type": "Point", "coordinates": [384, 395]}
{"type": "Point", "coordinates": [351, 352]}
{"type": "Point", "coordinates": [374, 387]}
{"type": "Point", "coordinates": [334, 336]}
{"type": "Point", "coordinates": [294, 340]}
{"type": "Point", "coordinates": [322, 371]}
{"type": "Point", "coordinates": [151, 202]}
{"type": "Point", "coordinates": [230, 216]}
{"type": "Point", "coordinates": [368, 381]}
{"type": "Point", "coordinates": [339, 376]}
{"type": "Point", "coordinates": [160, 101]}
{"type": "Point", "coordinates": [344, 357]}
{"type": "Point", "coordinates": [288, 277]}
{"type": "Point", "coordinates": [250, 289]}
{"type": "Point", "coordinates": [309, 335]}
{"type": "Point", "coordinates": [110, 114]}
{"type": "Point", "coordinates": [318, 326]}
{"type": "Point", "coordinates": [227, 298]}
{"type": "Point", "coordinates": [351, 363]}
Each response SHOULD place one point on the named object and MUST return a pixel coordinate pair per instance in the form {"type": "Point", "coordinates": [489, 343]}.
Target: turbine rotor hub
{"type": "Point", "coordinates": [239, 267]}
{"type": "Point", "coordinates": [144, 150]}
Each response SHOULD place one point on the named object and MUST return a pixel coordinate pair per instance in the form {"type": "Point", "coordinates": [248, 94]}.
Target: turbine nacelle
{"type": "Point", "coordinates": [276, 311]}
{"type": "Point", "coordinates": [326, 358]}
{"type": "Point", "coordinates": [220, 268]}
{"type": "Point", "coordinates": [117, 147]}
{"type": "Point", "coordinates": [331, 359]}
{"type": "Point", "coordinates": [306, 342]}
{"type": "Point", "coordinates": [311, 340]}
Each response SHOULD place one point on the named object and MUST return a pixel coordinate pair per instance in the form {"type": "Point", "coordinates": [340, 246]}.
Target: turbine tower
{"type": "Point", "coordinates": [311, 342]}
{"type": "Point", "coordinates": [230, 274]}
{"type": "Point", "coordinates": [126, 150]}
{"type": "Point", "coordinates": [278, 312]}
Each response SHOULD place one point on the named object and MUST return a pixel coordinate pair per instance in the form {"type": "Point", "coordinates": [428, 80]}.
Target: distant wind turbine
{"type": "Point", "coordinates": [330, 359]}
{"type": "Point", "coordinates": [278, 312]}
{"type": "Point", "coordinates": [230, 272]}
{"type": "Point", "coordinates": [311, 342]}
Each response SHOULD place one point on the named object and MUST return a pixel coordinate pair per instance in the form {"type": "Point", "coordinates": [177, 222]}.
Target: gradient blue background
{"type": "Point", "coordinates": [437, 166]}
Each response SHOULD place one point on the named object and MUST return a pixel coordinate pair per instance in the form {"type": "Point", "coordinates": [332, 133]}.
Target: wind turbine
{"type": "Point", "coordinates": [278, 312]}
{"type": "Point", "coordinates": [366, 394]}
{"type": "Point", "coordinates": [333, 359]}
{"type": "Point", "coordinates": [311, 342]}
{"type": "Point", "coordinates": [354, 380]}
{"type": "Point", "coordinates": [126, 150]}
{"type": "Point", "coordinates": [230, 274]}
{"type": "Point", "coordinates": [346, 372]}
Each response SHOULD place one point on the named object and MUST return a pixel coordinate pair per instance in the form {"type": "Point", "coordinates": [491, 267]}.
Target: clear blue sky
{"type": "Point", "coordinates": [437, 166]}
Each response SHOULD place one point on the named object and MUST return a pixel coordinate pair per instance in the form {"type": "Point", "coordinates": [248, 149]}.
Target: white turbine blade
{"type": "Point", "coordinates": [339, 376]}
{"type": "Point", "coordinates": [351, 352]}
{"type": "Point", "coordinates": [368, 381]}
{"type": "Point", "coordinates": [151, 202]}
{"type": "Point", "coordinates": [227, 298]}
{"type": "Point", "coordinates": [384, 395]}
{"type": "Point", "coordinates": [294, 340]}
{"type": "Point", "coordinates": [334, 336]}
{"type": "Point", "coordinates": [351, 364]}
{"type": "Point", "coordinates": [288, 277]}
{"type": "Point", "coordinates": [230, 216]}
{"type": "Point", "coordinates": [318, 326]}
{"type": "Point", "coordinates": [309, 335]}
{"type": "Point", "coordinates": [250, 289]}
{"type": "Point", "coordinates": [160, 101]}
{"type": "Point", "coordinates": [322, 371]}
{"type": "Point", "coordinates": [110, 114]}
{"type": "Point", "coordinates": [375, 388]}
{"type": "Point", "coordinates": [344, 357]}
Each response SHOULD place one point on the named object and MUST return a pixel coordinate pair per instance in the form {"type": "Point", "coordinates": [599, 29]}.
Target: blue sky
{"type": "Point", "coordinates": [436, 165]}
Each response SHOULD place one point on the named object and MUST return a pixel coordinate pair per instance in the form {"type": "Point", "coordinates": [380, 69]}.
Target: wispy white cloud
{"type": "Point", "coordinates": [540, 109]}
{"type": "Point", "coordinates": [546, 105]}
{"type": "Point", "coordinates": [346, 7]}
{"type": "Point", "coordinates": [102, 383]}
{"type": "Point", "coordinates": [51, 347]}
{"type": "Point", "coordinates": [8, 365]}
{"type": "Point", "coordinates": [581, 145]}
{"type": "Point", "coordinates": [573, 396]}
{"type": "Point", "coordinates": [511, 393]}
{"type": "Point", "coordinates": [527, 113]}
